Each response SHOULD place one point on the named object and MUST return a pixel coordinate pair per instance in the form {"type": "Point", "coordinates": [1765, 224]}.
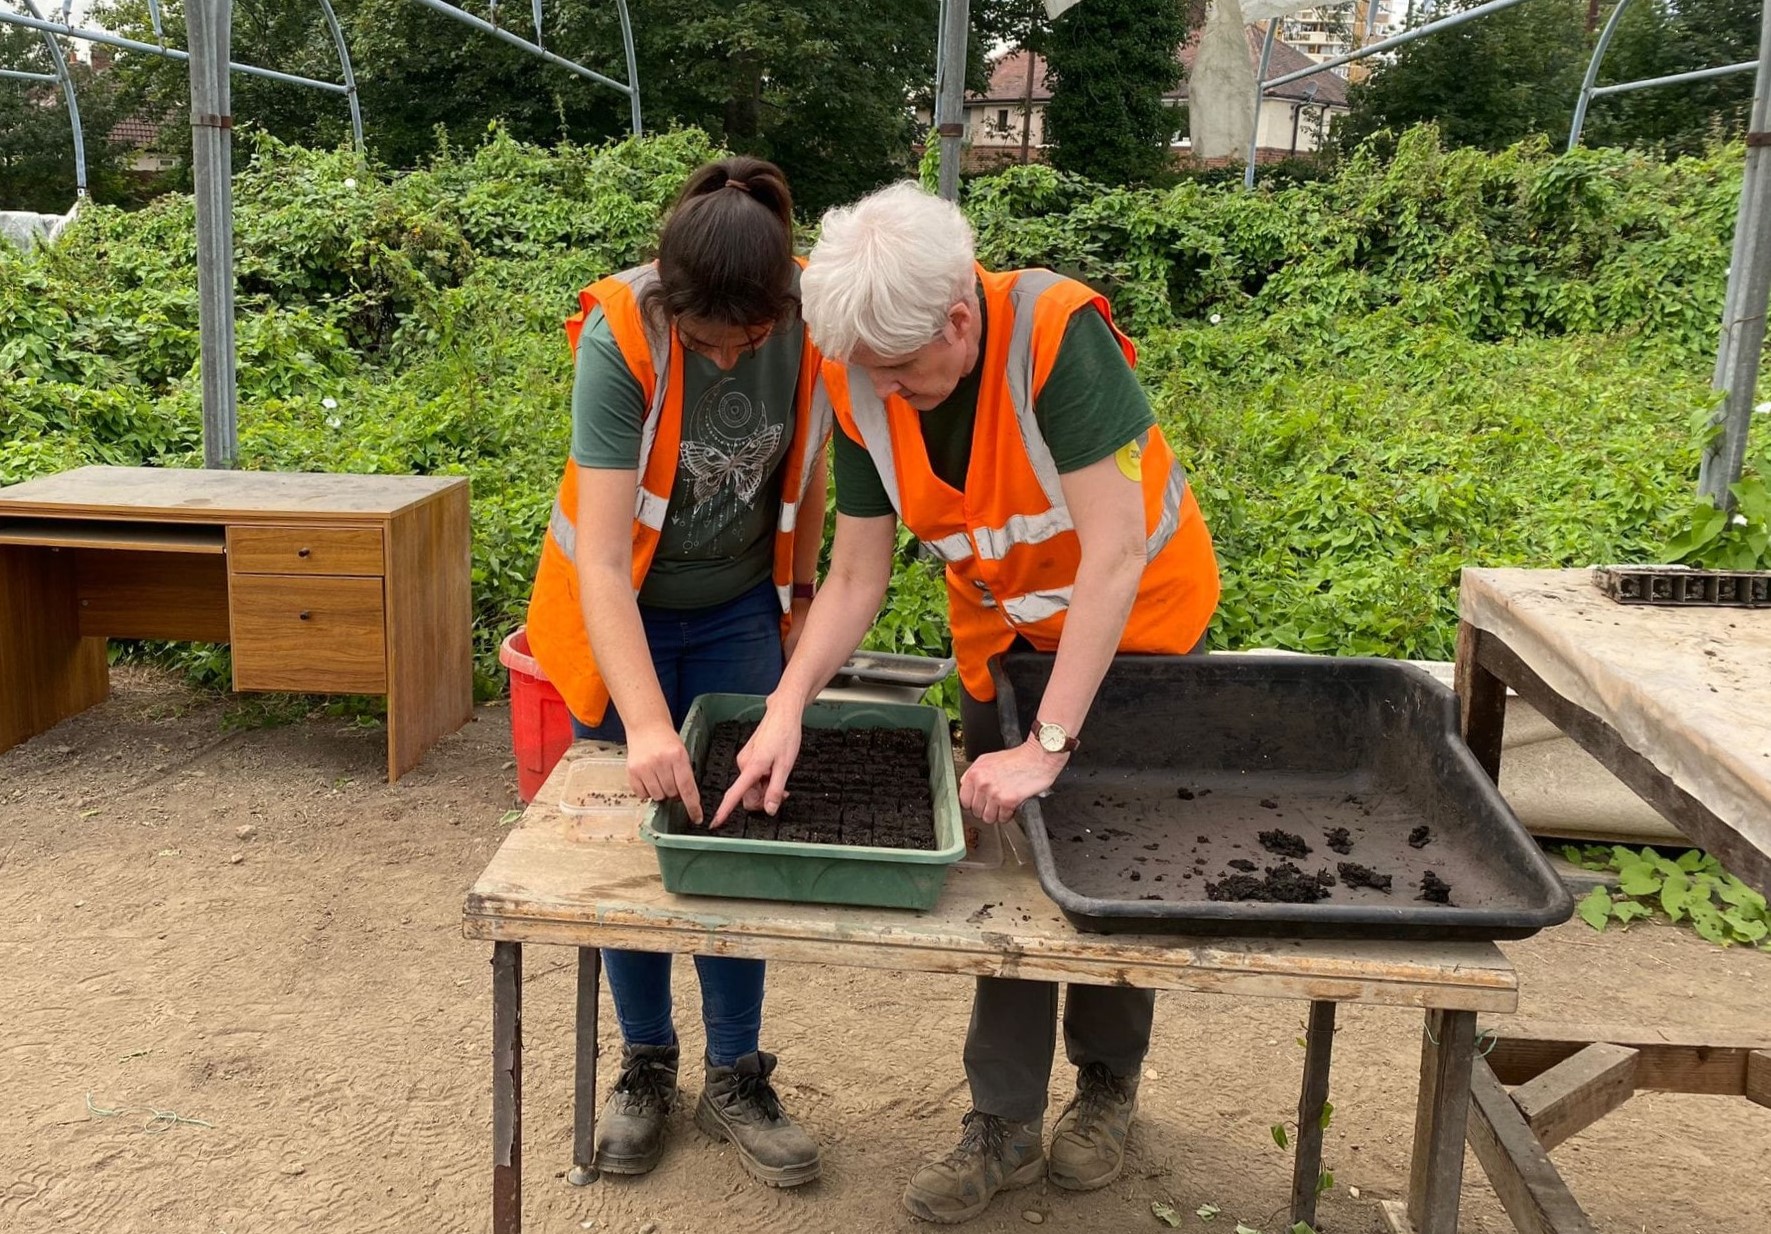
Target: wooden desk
{"type": "Point", "coordinates": [321, 583]}
{"type": "Point", "coordinates": [1673, 701]}
{"type": "Point", "coordinates": [590, 882]}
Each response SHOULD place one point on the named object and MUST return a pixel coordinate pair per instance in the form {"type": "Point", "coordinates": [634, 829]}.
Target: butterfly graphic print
{"type": "Point", "coordinates": [729, 452]}
{"type": "Point", "coordinates": [745, 467]}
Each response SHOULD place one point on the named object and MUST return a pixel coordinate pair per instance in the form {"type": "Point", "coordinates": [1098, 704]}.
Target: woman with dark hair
{"type": "Point", "coordinates": [678, 561]}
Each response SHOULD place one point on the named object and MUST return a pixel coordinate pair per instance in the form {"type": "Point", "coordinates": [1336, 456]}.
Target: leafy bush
{"type": "Point", "coordinates": [1439, 359]}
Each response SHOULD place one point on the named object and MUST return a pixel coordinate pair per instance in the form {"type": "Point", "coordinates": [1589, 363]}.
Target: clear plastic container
{"type": "Point", "coordinates": [983, 845]}
{"type": "Point", "coordinates": [596, 798]}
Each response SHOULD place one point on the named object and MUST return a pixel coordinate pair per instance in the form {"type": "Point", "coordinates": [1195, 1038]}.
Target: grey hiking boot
{"type": "Point", "coordinates": [738, 1104]}
{"type": "Point", "coordinates": [630, 1130]}
{"type": "Point", "coordinates": [994, 1154]}
{"type": "Point", "coordinates": [1088, 1144]}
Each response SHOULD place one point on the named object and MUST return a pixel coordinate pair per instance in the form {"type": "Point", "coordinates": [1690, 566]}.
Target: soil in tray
{"type": "Point", "coordinates": [860, 787]}
{"type": "Point", "coordinates": [1273, 838]}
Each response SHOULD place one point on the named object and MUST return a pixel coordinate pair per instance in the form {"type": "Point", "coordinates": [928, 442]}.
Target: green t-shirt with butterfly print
{"type": "Point", "coordinates": [719, 532]}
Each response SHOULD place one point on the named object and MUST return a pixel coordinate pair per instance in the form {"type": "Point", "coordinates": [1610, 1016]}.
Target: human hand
{"type": "Point", "coordinates": [658, 768]}
{"type": "Point", "coordinates": [994, 787]}
{"type": "Point", "coordinates": [763, 765]}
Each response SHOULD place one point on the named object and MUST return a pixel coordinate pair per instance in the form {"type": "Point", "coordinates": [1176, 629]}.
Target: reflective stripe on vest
{"type": "Point", "coordinates": [1173, 494]}
{"type": "Point", "coordinates": [993, 543]}
{"type": "Point", "coordinates": [648, 507]}
{"type": "Point", "coordinates": [1036, 606]}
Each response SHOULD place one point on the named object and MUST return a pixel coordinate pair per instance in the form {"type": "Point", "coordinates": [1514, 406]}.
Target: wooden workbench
{"type": "Point", "coordinates": [1673, 701]}
{"type": "Point", "coordinates": [321, 583]}
{"type": "Point", "coordinates": [590, 882]}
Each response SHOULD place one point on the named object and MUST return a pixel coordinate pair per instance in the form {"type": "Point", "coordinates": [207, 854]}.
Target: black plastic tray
{"type": "Point", "coordinates": [1184, 759]}
{"type": "Point", "coordinates": [1682, 586]}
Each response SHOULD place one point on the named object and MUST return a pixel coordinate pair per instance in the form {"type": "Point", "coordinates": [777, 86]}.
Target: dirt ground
{"type": "Point", "coordinates": [236, 998]}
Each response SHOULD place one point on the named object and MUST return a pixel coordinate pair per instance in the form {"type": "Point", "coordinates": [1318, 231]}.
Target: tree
{"type": "Point", "coordinates": [821, 86]}
{"type": "Point", "coordinates": [1495, 80]}
{"type": "Point", "coordinates": [1657, 38]}
{"type": "Point", "coordinates": [1109, 62]}
{"type": "Point", "coordinates": [1489, 82]}
{"type": "Point", "coordinates": [36, 140]}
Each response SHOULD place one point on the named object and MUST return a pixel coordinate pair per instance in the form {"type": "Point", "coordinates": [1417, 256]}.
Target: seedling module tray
{"type": "Point", "coordinates": [811, 873]}
{"type": "Point", "coordinates": [1186, 760]}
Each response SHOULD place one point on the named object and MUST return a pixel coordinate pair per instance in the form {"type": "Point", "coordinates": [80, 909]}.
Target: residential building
{"type": "Point", "coordinates": [1010, 113]}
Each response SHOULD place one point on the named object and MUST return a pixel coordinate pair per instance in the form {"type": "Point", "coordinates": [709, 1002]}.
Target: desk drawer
{"type": "Point", "coordinates": [305, 550]}
{"type": "Point", "coordinates": [292, 632]}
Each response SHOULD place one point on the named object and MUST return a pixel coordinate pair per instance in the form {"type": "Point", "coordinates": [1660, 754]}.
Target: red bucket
{"type": "Point", "coordinates": [540, 724]}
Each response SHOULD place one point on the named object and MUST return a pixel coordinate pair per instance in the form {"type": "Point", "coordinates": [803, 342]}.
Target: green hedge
{"type": "Point", "coordinates": [1448, 358]}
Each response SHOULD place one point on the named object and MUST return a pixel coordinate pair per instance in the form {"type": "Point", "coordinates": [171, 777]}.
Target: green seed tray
{"type": "Point", "coordinates": [811, 873]}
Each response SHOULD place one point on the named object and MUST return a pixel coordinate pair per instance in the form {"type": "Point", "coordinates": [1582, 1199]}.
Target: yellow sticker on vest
{"type": "Point", "coordinates": [1130, 458]}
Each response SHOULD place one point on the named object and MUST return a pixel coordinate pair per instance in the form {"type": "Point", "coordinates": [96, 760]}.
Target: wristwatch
{"type": "Point", "coordinates": [1052, 738]}
{"type": "Point", "coordinates": [803, 591]}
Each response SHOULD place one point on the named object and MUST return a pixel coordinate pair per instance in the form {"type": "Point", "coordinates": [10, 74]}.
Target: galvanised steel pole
{"type": "Point", "coordinates": [211, 33]}
{"type": "Point", "coordinates": [67, 90]}
{"type": "Point", "coordinates": [350, 77]}
{"type": "Point", "coordinates": [1592, 73]}
{"type": "Point", "coordinates": [1260, 92]}
{"type": "Point", "coordinates": [950, 92]}
{"type": "Point", "coordinates": [1749, 282]}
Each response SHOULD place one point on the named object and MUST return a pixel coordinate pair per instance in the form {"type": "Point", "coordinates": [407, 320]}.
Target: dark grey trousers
{"type": "Point", "coordinates": [1008, 1049]}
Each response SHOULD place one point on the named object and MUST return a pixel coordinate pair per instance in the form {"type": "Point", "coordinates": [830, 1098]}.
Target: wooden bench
{"type": "Point", "coordinates": [1673, 701]}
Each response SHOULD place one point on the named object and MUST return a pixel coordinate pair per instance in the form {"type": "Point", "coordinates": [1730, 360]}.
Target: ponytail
{"type": "Point", "coordinates": [726, 253]}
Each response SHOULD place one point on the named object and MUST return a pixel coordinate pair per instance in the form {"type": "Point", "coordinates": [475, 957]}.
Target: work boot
{"type": "Point", "coordinates": [630, 1130]}
{"type": "Point", "coordinates": [994, 1154]}
{"type": "Point", "coordinates": [738, 1104]}
{"type": "Point", "coordinates": [1088, 1144]}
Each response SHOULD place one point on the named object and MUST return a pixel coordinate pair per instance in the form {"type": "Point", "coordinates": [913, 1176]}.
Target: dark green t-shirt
{"type": "Point", "coordinates": [719, 532]}
{"type": "Point", "coordinates": [1090, 406]}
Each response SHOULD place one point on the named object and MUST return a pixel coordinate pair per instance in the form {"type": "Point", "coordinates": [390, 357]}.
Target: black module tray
{"type": "Point", "coordinates": [1186, 759]}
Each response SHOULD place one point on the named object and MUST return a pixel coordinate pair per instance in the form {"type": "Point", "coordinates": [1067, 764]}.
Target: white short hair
{"type": "Point", "coordinates": [885, 272]}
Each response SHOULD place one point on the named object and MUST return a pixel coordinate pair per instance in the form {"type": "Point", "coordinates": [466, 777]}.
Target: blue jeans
{"type": "Point", "coordinates": [732, 648]}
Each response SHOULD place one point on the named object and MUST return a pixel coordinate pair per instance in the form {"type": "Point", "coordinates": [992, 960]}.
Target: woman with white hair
{"type": "Point", "coordinates": [997, 416]}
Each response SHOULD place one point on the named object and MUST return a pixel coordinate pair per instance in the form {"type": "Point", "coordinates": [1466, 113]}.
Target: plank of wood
{"type": "Point", "coordinates": [1740, 855]}
{"type": "Point", "coordinates": [429, 627]}
{"type": "Point", "coordinates": [1518, 1168]}
{"type": "Point", "coordinates": [1481, 703]}
{"type": "Point", "coordinates": [139, 537]}
{"type": "Point", "coordinates": [1577, 1092]}
{"type": "Point", "coordinates": [48, 670]}
{"type": "Point", "coordinates": [1441, 1112]}
{"type": "Point", "coordinates": [1669, 1060]}
{"type": "Point", "coordinates": [302, 633]}
{"type": "Point", "coordinates": [1758, 1077]}
{"type": "Point", "coordinates": [548, 883]}
{"type": "Point", "coordinates": [178, 494]}
{"type": "Point", "coordinates": [306, 549]}
{"type": "Point", "coordinates": [178, 596]}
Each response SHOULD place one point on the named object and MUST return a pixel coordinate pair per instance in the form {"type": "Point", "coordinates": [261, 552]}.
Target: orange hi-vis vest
{"type": "Point", "coordinates": [1009, 544]}
{"type": "Point", "coordinates": [654, 356]}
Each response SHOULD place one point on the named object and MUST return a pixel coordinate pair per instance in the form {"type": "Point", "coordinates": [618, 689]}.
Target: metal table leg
{"type": "Point", "coordinates": [507, 1088]}
{"type": "Point", "coordinates": [1307, 1166]}
{"type": "Point", "coordinates": [1441, 1115]}
{"type": "Point", "coordinates": [590, 975]}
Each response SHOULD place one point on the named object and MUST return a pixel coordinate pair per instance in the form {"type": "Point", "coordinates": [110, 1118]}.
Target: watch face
{"type": "Point", "coordinates": [1051, 738]}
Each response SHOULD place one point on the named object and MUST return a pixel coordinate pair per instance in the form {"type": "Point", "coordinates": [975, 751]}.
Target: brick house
{"type": "Point", "coordinates": [1011, 111]}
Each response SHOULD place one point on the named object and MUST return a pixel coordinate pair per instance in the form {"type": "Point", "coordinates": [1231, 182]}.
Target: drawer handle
{"type": "Point", "coordinates": [305, 614]}
{"type": "Point", "coordinates": [303, 552]}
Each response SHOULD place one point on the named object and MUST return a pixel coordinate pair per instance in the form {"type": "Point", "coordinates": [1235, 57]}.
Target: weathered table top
{"type": "Point", "coordinates": [590, 880]}
{"type": "Point", "coordinates": [1689, 689]}
{"type": "Point", "coordinates": [175, 494]}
